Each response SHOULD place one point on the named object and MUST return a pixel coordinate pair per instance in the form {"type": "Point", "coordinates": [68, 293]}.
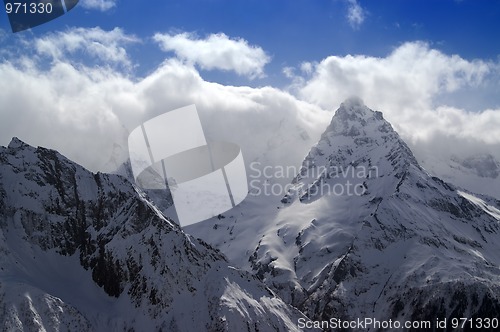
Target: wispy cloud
{"type": "Point", "coordinates": [355, 14]}
{"type": "Point", "coordinates": [105, 46]}
{"type": "Point", "coordinates": [102, 5]}
{"type": "Point", "coordinates": [3, 35]}
{"type": "Point", "coordinates": [216, 51]}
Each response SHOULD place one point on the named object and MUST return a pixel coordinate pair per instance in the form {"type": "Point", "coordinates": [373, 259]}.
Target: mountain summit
{"type": "Point", "coordinates": [359, 145]}
{"type": "Point", "coordinates": [350, 117]}
{"type": "Point", "coordinates": [364, 231]}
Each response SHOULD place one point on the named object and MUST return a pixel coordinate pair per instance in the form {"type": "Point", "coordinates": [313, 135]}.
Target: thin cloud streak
{"type": "Point", "coordinates": [101, 5]}
{"type": "Point", "coordinates": [355, 14]}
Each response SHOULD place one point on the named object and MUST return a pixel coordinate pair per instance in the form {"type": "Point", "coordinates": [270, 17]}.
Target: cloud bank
{"type": "Point", "coordinates": [407, 85]}
{"type": "Point", "coordinates": [83, 108]}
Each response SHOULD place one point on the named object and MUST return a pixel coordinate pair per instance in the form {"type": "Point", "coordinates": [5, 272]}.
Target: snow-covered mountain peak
{"type": "Point", "coordinates": [353, 102]}
{"type": "Point", "coordinates": [362, 215]}
{"type": "Point", "coordinates": [355, 107]}
{"type": "Point", "coordinates": [352, 116]}
{"type": "Point", "coordinates": [358, 145]}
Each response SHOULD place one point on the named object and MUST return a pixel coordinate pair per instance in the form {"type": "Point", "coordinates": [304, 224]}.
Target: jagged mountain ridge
{"type": "Point", "coordinates": [408, 246]}
{"type": "Point", "coordinates": [89, 252]}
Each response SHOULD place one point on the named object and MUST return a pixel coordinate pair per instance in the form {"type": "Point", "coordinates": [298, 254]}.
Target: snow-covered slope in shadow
{"type": "Point", "coordinates": [88, 252]}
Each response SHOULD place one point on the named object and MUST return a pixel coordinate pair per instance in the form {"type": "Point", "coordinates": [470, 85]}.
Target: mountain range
{"type": "Point", "coordinates": [362, 231]}
{"type": "Point", "coordinates": [89, 252]}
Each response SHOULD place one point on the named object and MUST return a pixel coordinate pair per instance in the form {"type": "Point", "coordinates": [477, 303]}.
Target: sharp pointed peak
{"type": "Point", "coordinates": [353, 102]}
{"type": "Point", "coordinates": [353, 118]}
{"type": "Point", "coordinates": [16, 143]}
{"type": "Point", "coordinates": [353, 108]}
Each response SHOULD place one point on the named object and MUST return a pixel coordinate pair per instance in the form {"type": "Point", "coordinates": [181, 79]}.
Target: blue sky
{"type": "Point", "coordinates": [81, 82]}
{"type": "Point", "coordinates": [300, 30]}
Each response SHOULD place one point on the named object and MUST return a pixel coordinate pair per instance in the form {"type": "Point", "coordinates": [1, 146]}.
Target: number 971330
{"type": "Point", "coordinates": [28, 8]}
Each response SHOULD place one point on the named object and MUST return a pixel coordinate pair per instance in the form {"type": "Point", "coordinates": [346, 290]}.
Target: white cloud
{"type": "Point", "coordinates": [217, 51]}
{"type": "Point", "coordinates": [289, 72]}
{"type": "Point", "coordinates": [106, 46]}
{"type": "Point", "coordinates": [355, 14]}
{"type": "Point", "coordinates": [102, 5]}
{"type": "Point", "coordinates": [410, 77]}
{"type": "Point", "coordinates": [307, 67]}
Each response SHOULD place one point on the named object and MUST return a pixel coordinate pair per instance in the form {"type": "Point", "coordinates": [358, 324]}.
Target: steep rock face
{"type": "Point", "coordinates": [84, 251]}
{"type": "Point", "coordinates": [364, 231]}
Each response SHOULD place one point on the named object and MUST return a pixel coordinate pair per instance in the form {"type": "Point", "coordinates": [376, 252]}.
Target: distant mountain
{"type": "Point", "coordinates": [365, 231]}
{"type": "Point", "coordinates": [478, 173]}
{"type": "Point", "coordinates": [485, 166]}
{"type": "Point", "coordinates": [89, 252]}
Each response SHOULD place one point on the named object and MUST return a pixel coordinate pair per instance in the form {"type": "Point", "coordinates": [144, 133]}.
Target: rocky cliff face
{"type": "Point", "coordinates": [89, 252]}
